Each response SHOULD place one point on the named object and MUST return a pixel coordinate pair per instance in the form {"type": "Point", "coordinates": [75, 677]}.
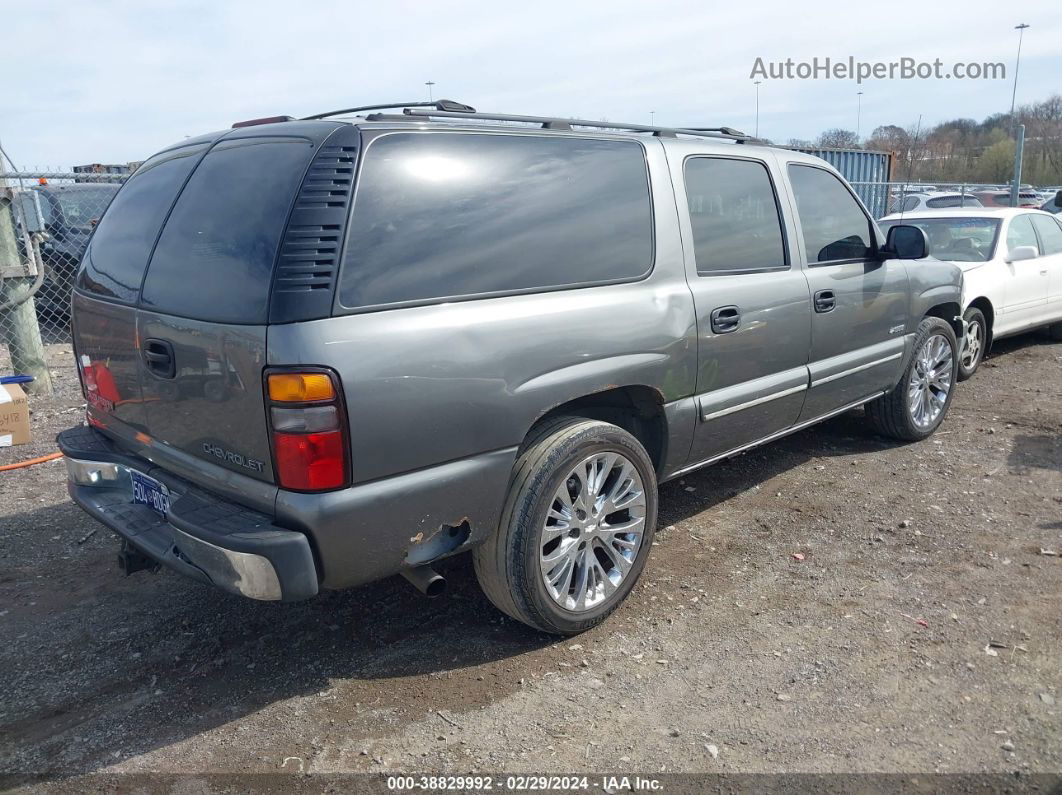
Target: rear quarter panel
{"type": "Point", "coordinates": [430, 384]}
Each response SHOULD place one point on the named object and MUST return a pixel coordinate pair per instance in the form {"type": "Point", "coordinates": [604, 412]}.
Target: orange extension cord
{"type": "Point", "coordinates": [31, 461]}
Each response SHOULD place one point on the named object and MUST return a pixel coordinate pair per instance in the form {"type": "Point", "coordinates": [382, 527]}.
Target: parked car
{"type": "Point", "coordinates": [1054, 204]}
{"type": "Point", "coordinates": [1001, 198]}
{"type": "Point", "coordinates": [1012, 260]}
{"type": "Point", "coordinates": [502, 341]}
{"type": "Point", "coordinates": [69, 213]}
{"type": "Point", "coordinates": [936, 200]}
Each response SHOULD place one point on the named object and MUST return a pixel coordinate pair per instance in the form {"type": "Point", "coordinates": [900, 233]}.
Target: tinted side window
{"type": "Point", "coordinates": [835, 227]}
{"type": "Point", "coordinates": [442, 215]}
{"type": "Point", "coordinates": [117, 256]}
{"type": "Point", "coordinates": [734, 216]}
{"type": "Point", "coordinates": [1050, 233]}
{"type": "Point", "coordinates": [215, 258]}
{"type": "Point", "coordinates": [909, 203]}
{"type": "Point", "coordinates": [1021, 233]}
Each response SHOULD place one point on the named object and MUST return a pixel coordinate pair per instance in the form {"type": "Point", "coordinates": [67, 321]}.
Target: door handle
{"type": "Point", "coordinates": [825, 301]}
{"type": "Point", "coordinates": [725, 319]}
{"type": "Point", "coordinates": [158, 357]}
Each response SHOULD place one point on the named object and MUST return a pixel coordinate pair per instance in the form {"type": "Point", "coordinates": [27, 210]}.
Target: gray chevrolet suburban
{"type": "Point", "coordinates": [320, 352]}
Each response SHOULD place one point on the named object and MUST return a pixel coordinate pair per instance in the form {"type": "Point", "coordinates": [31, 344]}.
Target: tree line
{"type": "Point", "coordinates": [966, 150]}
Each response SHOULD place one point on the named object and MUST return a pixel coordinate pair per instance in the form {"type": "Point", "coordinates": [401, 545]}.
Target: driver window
{"type": "Point", "coordinates": [835, 226]}
{"type": "Point", "coordinates": [1021, 233]}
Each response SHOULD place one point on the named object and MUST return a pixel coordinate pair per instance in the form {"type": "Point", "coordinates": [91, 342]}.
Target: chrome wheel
{"type": "Point", "coordinates": [973, 343]}
{"type": "Point", "coordinates": [593, 531]}
{"type": "Point", "coordinates": [930, 383]}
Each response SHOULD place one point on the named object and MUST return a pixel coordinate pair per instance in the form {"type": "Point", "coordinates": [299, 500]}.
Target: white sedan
{"type": "Point", "coordinates": [1012, 263]}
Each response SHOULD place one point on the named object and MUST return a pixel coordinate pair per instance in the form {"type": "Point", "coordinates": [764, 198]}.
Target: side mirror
{"type": "Point", "coordinates": [906, 242]}
{"type": "Point", "coordinates": [1058, 199]}
{"type": "Point", "coordinates": [1019, 253]}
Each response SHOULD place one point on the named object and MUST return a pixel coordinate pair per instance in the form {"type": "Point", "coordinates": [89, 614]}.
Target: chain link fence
{"type": "Point", "coordinates": [883, 198]}
{"type": "Point", "coordinates": [45, 222]}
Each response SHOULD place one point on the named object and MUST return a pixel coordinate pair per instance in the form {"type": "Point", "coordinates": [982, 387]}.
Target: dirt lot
{"type": "Point", "coordinates": [920, 632]}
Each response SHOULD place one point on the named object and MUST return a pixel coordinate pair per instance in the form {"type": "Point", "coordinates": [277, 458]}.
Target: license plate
{"type": "Point", "coordinates": [148, 491]}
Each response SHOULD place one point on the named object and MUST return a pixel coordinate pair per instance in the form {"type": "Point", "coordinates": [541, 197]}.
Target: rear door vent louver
{"type": "Point", "coordinates": [308, 260]}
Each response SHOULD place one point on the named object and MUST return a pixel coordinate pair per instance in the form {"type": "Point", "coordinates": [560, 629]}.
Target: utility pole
{"type": "Point", "coordinates": [1019, 145]}
{"type": "Point", "coordinates": [18, 311]}
{"type": "Point", "coordinates": [859, 112]}
{"type": "Point", "coordinates": [429, 84]}
{"type": "Point", "coordinates": [1017, 63]}
{"type": "Point", "coordinates": [652, 118]}
{"type": "Point", "coordinates": [757, 84]}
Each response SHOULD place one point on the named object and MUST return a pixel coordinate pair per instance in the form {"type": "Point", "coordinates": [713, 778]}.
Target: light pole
{"type": "Point", "coordinates": [859, 112]}
{"type": "Point", "coordinates": [429, 84]}
{"type": "Point", "coordinates": [757, 84]}
{"type": "Point", "coordinates": [1017, 62]}
{"type": "Point", "coordinates": [652, 118]}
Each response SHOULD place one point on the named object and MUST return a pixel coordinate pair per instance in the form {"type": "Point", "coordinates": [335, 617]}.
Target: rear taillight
{"type": "Point", "coordinates": [309, 434]}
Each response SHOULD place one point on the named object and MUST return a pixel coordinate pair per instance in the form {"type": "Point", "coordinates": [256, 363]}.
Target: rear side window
{"type": "Point", "coordinates": [835, 227]}
{"type": "Point", "coordinates": [446, 215]}
{"type": "Point", "coordinates": [1021, 233]}
{"type": "Point", "coordinates": [734, 216]}
{"type": "Point", "coordinates": [1050, 233]}
{"type": "Point", "coordinates": [117, 256]}
{"type": "Point", "coordinates": [214, 260]}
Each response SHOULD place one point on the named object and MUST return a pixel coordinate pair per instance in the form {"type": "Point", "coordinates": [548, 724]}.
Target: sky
{"type": "Point", "coordinates": [113, 81]}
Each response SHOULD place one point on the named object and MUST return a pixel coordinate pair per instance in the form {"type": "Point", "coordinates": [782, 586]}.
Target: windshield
{"type": "Point", "coordinates": [82, 207]}
{"type": "Point", "coordinates": [956, 239]}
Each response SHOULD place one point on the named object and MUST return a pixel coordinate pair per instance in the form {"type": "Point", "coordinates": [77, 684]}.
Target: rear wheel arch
{"type": "Point", "coordinates": [636, 408]}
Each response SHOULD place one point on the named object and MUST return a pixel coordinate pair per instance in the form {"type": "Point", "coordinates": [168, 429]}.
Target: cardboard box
{"type": "Point", "coordinates": [14, 416]}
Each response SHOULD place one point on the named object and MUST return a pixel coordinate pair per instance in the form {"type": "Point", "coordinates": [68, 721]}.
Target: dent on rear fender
{"type": "Point", "coordinates": [446, 538]}
{"type": "Point", "coordinates": [604, 372]}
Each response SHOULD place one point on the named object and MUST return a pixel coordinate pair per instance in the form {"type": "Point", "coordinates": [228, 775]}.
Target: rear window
{"type": "Point", "coordinates": [114, 263]}
{"type": "Point", "coordinates": [214, 260]}
{"type": "Point", "coordinates": [448, 215]}
{"type": "Point", "coordinates": [953, 201]}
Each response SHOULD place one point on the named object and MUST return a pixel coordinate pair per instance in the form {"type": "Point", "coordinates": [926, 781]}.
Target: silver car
{"type": "Point", "coordinates": [320, 352]}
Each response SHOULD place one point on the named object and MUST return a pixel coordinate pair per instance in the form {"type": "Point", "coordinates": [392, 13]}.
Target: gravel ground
{"type": "Point", "coordinates": [920, 632]}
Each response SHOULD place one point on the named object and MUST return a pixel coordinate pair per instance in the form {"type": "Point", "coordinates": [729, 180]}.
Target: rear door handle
{"type": "Point", "coordinates": [158, 357]}
{"type": "Point", "coordinates": [825, 301]}
{"type": "Point", "coordinates": [725, 319]}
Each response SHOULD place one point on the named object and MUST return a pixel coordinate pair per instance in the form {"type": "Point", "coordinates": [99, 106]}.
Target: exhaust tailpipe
{"type": "Point", "coordinates": [425, 579]}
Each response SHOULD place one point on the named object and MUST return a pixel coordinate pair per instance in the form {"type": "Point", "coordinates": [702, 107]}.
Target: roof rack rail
{"type": "Point", "coordinates": [550, 123]}
{"type": "Point", "coordinates": [439, 104]}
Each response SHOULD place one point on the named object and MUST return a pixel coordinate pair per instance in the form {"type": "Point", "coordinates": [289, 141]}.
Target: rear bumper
{"type": "Point", "coordinates": [202, 535]}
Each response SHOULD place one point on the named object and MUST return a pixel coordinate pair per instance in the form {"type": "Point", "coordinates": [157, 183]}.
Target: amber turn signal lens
{"type": "Point", "coordinates": [300, 387]}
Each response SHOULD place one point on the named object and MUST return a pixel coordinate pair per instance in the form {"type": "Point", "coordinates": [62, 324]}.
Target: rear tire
{"type": "Point", "coordinates": [919, 402]}
{"type": "Point", "coordinates": [576, 529]}
{"type": "Point", "coordinates": [974, 343]}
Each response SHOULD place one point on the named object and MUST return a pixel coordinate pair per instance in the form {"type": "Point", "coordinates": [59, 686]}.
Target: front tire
{"type": "Point", "coordinates": [974, 343]}
{"type": "Point", "coordinates": [919, 402]}
{"type": "Point", "coordinates": [576, 528]}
